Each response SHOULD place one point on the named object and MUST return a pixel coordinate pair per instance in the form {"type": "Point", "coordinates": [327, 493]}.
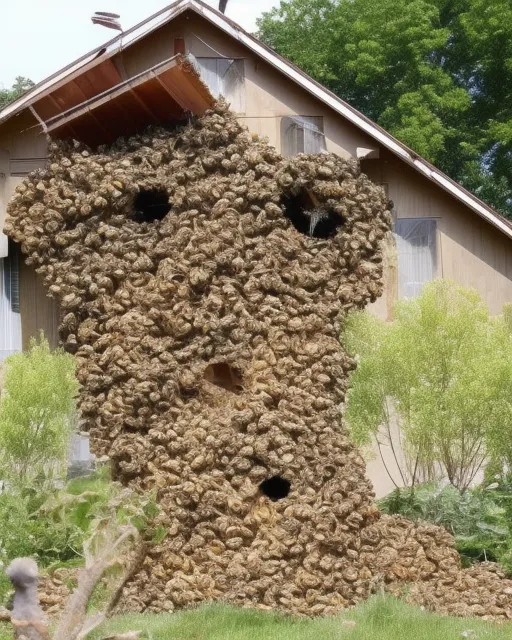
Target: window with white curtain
{"type": "Point", "coordinates": [10, 319]}
{"type": "Point", "coordinates": [302, 134]}
{"type": "Point", "coordinates": [416, 242]}
{"type": "Point", "coordinates": [224, 77]}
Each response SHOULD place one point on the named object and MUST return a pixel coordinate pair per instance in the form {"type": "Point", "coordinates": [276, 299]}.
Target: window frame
{"type": "Point", "coordinates": [434, 249]}
{"type": "Point", "coordinates": [10, 311]}
{"type": "Point", "coordinates": [299, 124]}
{"type": "Point", "coordinates": [239, 64]}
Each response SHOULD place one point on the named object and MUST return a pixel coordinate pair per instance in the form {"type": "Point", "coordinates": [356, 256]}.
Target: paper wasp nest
{"type": "Point", "coordinates": [202, 278]}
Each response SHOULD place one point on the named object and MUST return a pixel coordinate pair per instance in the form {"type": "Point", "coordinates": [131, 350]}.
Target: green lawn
{"type": "Point", "coordinates": [382, 618]}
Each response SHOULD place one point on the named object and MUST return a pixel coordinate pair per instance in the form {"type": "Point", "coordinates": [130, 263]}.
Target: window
{"type": "Point", "coordinates": [417, 254]}
{"type": "Point", "coordinates": [79, 448]}
{"type": "Point", "coordinates": [224, 77]}
{"type": "Point", "coordinates": [302, 134]}
{"type": "Point", "coordinates": [10, 319]}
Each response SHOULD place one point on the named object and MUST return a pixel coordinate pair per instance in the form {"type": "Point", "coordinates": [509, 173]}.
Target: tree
{"type": "Point", "coordinates": [441, 372]}
{"type": "Point", "coordinates": [37, 406]}
{"type": "Point", "coordinates": [20, 86]}
{"type": "Point", "coordinates": [436, 73]}
{"type": "Point", "coordinates": [480, 55]}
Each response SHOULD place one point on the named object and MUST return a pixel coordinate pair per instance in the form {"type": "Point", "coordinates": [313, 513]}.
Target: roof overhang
{"type": "Point", "coordinates": [164, 94]}
{"type": "Point", "coordinates": [103, 54]}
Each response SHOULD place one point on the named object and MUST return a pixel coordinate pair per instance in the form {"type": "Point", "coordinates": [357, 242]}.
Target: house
{"type": "Point", "coordinates": [137, 78]}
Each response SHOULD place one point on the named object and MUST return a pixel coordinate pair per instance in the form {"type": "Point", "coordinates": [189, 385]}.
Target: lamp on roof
{"type": "Point", "coordinates": [106, 19]}
{"type": "Point", "coordinates": [223, 5]}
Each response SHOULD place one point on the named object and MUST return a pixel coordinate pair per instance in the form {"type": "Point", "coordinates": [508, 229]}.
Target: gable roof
{"type": "Point", "coordinates": [229, 27]}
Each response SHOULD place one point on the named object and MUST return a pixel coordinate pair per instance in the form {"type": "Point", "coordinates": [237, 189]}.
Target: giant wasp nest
{"type": "Point", "coordinates": [202, 278]}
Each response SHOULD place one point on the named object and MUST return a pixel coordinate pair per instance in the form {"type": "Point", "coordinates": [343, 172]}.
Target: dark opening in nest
{"type": "Point", "coordinates": [275, 488]}
{"type": "Point", "coordinates": [224, 376]}
{"type": "Point", "coordinates": [150, 205]}
{"type": "Point", "coordinates": [310, 217]}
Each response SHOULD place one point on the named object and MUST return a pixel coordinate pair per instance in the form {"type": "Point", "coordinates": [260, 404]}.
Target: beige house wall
{"type": "Point", "coordinates": [470, 251]}
{"type": "Point", "coordinates": [23, 148]}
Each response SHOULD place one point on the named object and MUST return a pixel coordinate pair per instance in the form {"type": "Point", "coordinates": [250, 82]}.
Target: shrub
{"type": "Point", "coordinates": [55, 526]}
{"type": "Point", "coordinates": [37, 407]}
{"type": "Point", "coordinates": [52, 525]}
{"type": "Point", "coordinates": [480, 525]}
{"type": "Point", "coordinates": [442, 373]}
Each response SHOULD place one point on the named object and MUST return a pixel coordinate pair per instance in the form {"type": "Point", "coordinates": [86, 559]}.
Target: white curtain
{"type": "Point", "coordinates": [302, 134]}
{"type": "Point", "coordinates": [417, 254]}
{"type": "Point", "coordinates": [224, 77]}
{"type": "Point", "coordinates": [10, 319]}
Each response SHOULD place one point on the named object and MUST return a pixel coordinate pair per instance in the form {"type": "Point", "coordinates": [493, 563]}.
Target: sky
{"type": "Point", "coordinates": [40, 37]}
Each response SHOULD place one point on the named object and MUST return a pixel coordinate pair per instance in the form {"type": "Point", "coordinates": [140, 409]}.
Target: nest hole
{"type": "Point", "coordinates": [309, 217]}
{"type": "Point", "coordinates": [150, 205]}
{"type": "Point", "coordinates": [224, 376]}
{"type": "Point", "coordinates": [275, 488]}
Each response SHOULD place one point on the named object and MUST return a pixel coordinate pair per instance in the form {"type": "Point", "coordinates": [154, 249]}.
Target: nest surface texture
{"type": "Point", "coordinates": [202, 278]}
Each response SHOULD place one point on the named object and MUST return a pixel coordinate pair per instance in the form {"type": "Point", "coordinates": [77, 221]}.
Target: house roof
{"type": "Point", "coordinates": [103, 54]}
{"type": "Point", "coordinates": [163, 94]}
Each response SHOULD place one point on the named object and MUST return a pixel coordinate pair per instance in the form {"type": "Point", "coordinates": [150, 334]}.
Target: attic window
{"type": "Point", "coordinates": [302, 134]}
{"type": "Point", "coordinates": [309, 217]}
{"type": "Point", "coordinates": [224, 376]}
{"type": "Point", "coordinates": [150, 205]}
{"type": "Point", "coordinates": [275, 488]}
{"type": "Point", "coordinates": [224, 77]}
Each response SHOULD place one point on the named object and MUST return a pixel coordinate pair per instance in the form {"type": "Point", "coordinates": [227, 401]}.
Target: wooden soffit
{"type": "Point", "coordinates": [164, 94]}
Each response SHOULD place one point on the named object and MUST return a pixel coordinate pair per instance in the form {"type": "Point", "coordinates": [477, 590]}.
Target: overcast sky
{"type": "Point", "coordinates": [40, 37]}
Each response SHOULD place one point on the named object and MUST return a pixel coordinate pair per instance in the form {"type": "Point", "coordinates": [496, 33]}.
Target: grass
{"type": "Point", "coordinates": [381, 618]}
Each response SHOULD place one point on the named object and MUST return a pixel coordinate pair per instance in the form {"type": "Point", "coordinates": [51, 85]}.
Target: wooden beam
{"type": "Point", "coordinates": [106, 96]}
{"type": "Point", "coordinates": [143, 105]}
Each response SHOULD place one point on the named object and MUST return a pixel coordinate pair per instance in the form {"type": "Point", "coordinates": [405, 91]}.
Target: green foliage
{"type": "Point", "coordinates": [5, 631]}
{"type": "Point", "coordinates": [37, 407]}
{"type": "Point", "coordinates": [57, 527]}
{"type": "Point", "coordinates": [381, 618]}
{"type": "Point", "coordinates": [442, 372]}
{"type": "Point", "coordinates": [436, 73]}
{"type": "Point", "coordinates": [20, 86]}
{"type": "Point", "coordinates": [481, 526]}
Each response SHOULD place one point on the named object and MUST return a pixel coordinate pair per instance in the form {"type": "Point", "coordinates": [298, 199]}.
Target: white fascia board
{"type": "Point", "coordinates": [158, 21]}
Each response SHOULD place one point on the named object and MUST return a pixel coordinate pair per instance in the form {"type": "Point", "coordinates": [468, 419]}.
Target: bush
{"type": "Point", "coordinates": [54, 526]}
{"type": "Point", "coordinates": [37, 408]}
{"type": "Point", "coordinates": [442, 373]}
{"type": "Point", "coordinates": [477, 520]}
{"type": "Point", "coordinates": [39, 519]}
